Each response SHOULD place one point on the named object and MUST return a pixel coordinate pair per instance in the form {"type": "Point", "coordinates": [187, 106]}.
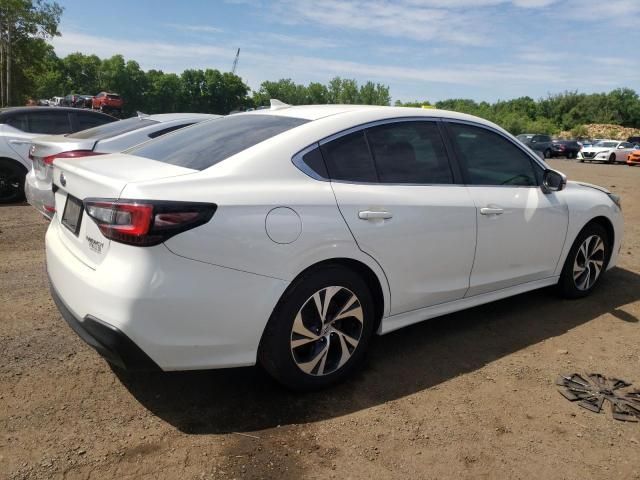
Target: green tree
{"type": "Point", "coordinates": [24, 26]}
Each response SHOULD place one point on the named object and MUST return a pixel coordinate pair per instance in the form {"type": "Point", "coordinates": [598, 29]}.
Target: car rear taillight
{"type": "Point", "coordinates": [145, 223]}
{"type": "Point", "coordinates": [70, 154]}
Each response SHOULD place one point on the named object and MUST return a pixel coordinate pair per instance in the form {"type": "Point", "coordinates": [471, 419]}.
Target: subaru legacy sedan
{"type": "Point", "coordinates": [288, 237]}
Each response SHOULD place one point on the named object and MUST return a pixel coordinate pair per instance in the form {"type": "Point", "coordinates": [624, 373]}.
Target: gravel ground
{"type": "Point", "coordinates": [469, 395]}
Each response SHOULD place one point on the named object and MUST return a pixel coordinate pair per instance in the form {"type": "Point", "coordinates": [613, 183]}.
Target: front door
{"type": "Point", "coordinates": [521, 230]}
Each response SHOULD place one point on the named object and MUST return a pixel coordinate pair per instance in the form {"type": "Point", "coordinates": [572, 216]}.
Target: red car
{"type": "Point", "coordinates": [107, 102]}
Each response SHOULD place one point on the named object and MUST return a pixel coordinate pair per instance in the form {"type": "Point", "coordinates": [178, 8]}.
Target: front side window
{"type": "Point", "coordinates": [489, 159]}
{"type": "Point", "coordinates": [409, 152]}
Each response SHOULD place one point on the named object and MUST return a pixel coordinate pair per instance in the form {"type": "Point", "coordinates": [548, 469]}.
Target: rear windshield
{"type": "Point", "coordinates": [109, 130]}
{"type": "Point", "coordinates": [207, 143]}
{"type": "Point", "coordinates": [115, 97]}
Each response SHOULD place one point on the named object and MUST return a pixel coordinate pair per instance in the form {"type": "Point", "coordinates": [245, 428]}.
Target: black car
{"type": "Point", "coordinates": [18, 125]}
{"type": "Point", "coordinates": [565, 148]}
{"type": "Point", "coordinates": [634, 140]}
{"type": "Point", "coordinates": [537, 142]}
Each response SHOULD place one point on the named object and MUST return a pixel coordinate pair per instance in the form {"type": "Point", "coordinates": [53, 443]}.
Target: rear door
{"type": "Point", "coordinates": [396, 190]}
{"type": "Point", "coordinates": [521, 230]}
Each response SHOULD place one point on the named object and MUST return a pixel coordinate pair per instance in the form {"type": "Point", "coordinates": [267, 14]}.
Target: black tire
{"type": "Point", "coordinates": [12, 178]}
{"type": "Point", "coordinates": [582, 160]}
{"type": "Point", "coordinates": [612, 158]}
{"type": "Point", "coordinates": [547, 153]}
{"type": "Point", "coordinates": [276, 354]}
{"type": "Point", "coordinates": [567, 285]}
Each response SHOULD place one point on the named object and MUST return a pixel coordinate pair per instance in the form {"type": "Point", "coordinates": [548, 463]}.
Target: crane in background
{"type": "Point", "coordinates": [235, 62]}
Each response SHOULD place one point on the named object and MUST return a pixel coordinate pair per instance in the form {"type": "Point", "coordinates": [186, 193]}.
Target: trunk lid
{"type": "Point", "coordinates": [97, 177]}
{"type": "Point", "coordinates": [51, 145]}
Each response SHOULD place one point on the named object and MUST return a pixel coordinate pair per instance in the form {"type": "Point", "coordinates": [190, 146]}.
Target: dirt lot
{"type": "Point", "coordinates": [469, 395]}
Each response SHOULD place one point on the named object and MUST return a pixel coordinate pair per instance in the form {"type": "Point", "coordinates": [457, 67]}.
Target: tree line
{"type": "Point", "coordinates": [30, 68]}
{"type": "Point", "coordinates": [568, 111]}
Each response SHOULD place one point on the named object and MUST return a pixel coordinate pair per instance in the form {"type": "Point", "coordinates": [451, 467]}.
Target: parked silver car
{"type": "Point", "coordinates": [109, 138]}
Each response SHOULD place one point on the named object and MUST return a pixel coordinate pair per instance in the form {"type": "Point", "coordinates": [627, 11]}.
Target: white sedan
{"type": "Point", "coordinates": [290, 236]}
{"type": "Point", "coordinates": [610, 151]}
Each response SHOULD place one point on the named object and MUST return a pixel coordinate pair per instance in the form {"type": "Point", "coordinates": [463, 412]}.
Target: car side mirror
{"type": "Point", "coordinates": [553, 181]}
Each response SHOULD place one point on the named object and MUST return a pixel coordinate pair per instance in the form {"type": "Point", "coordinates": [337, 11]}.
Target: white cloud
{"type": "Point", "coordinates": [194, 28]}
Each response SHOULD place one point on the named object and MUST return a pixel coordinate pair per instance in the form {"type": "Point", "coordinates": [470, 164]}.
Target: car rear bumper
{"type": "Point", "coordinates": [106, 339]}
{"type": "Point", "coordinates": [633, 160]}
{"type": "Point", "coordinates": [182, 314]}
{"type": "Point", "coordinates": [39, 195]}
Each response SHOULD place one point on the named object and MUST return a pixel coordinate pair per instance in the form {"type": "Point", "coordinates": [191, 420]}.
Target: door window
{"type": "Point", "coordinates": [489, 159]}
{"type": "Point", "coordinates": [51, 123]}
{"type": "Point", "coordinates": [348, 159]}
{"type": "Point", "coordinates": [409, 152]}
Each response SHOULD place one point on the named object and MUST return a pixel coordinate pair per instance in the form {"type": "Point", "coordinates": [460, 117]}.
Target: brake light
{"type": "Point", "coordinates": [70, 154]}
{"type": "Point", "coordinates": [146, 223]}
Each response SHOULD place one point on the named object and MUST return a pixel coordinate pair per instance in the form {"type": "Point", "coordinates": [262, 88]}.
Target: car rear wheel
{"type": "Point", "coordinates": [320, 330]}
{"type": "Point", "coordinates": [12, 178]}
{"type": "Point", "coordinates": [586, 262]}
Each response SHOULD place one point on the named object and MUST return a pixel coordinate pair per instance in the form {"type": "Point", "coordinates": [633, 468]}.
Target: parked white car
{"type": "Point", "coordinates": [20, 125]}
{"type": "Point", "coordinates": [109, 138]}
{"type": "Point", "coordinates": [610, 151]}
{"type": "Point", "coordinates": [290, 236]}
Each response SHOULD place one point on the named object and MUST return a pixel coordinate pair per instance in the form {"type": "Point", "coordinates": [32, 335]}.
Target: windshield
{"type": "Point", "coordinates": [112, 129]}
{"type": "Point", "coordinates": [606, 144]}
{"type": "Point", "coordinates": [207, 143]}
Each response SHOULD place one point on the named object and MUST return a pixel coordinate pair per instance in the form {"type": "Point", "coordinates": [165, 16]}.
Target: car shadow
{"type": "Point", "coordinates": [399, 364]}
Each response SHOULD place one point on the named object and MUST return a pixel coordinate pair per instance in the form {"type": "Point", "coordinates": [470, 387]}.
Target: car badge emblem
{"type": "Point", "coordinates": [63, 180]}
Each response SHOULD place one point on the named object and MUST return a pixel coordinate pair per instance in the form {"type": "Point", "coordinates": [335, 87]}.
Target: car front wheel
{"type": "Point", "coordinates": [320, 330]}
{"type": "Point", "coordinates": [586, 262]}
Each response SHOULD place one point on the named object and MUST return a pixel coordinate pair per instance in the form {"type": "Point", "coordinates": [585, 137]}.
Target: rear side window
{"type": "Point", "coordinates": [210, 142]}
{"type": "Point", "coordinates": [489, 159]}
{"type": "Point", "coordinates": [109, 130]}
{"type": "Point", "coordinates": [88, 120]}
{"type": "Point", "coordinates": [348, 159]}
{"type": "Point", "coordinates": [409, 152]}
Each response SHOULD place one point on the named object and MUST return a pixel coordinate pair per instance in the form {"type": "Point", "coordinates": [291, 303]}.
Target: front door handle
{"type": "Point", "coordinates": [491, 211]}
{"type": "Point", "coordinates": [20, 142]}
{"type": "Point", "coordinates": [374, 214]}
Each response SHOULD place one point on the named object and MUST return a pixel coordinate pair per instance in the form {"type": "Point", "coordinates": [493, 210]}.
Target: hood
{"type": "Point", "coordinates": [597, 149]}
{"type": "Point", "coordinates": [589, 185]}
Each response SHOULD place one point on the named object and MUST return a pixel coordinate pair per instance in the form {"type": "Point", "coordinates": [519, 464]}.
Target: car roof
{"type": "Point", "coordinates": [316, 112]}
{"type": "Point", "coordinates": [43, 109]}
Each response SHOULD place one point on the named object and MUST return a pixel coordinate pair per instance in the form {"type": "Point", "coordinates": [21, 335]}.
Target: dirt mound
{"type": "Point", "coordinates": [601, 130]}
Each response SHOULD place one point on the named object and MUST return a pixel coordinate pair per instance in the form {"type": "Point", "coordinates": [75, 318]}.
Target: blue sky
{"type": "Point", "coordinates": [422, 49]}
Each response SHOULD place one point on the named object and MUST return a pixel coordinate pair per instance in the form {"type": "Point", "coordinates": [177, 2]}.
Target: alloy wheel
{"type": "Point", "coordinates": [589, 262]}
{"type": "Point", "coordinates": [327, 330]}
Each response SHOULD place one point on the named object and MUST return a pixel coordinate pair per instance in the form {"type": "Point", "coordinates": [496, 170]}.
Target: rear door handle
{"type": "Point", "coordinates": [374, 214]}
{"type": "Point", "coordinates": [491, 211]}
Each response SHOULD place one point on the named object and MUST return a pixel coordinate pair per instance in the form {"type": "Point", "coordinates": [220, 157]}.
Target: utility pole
{"type": "Point", "coordinates": [235, 62]}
